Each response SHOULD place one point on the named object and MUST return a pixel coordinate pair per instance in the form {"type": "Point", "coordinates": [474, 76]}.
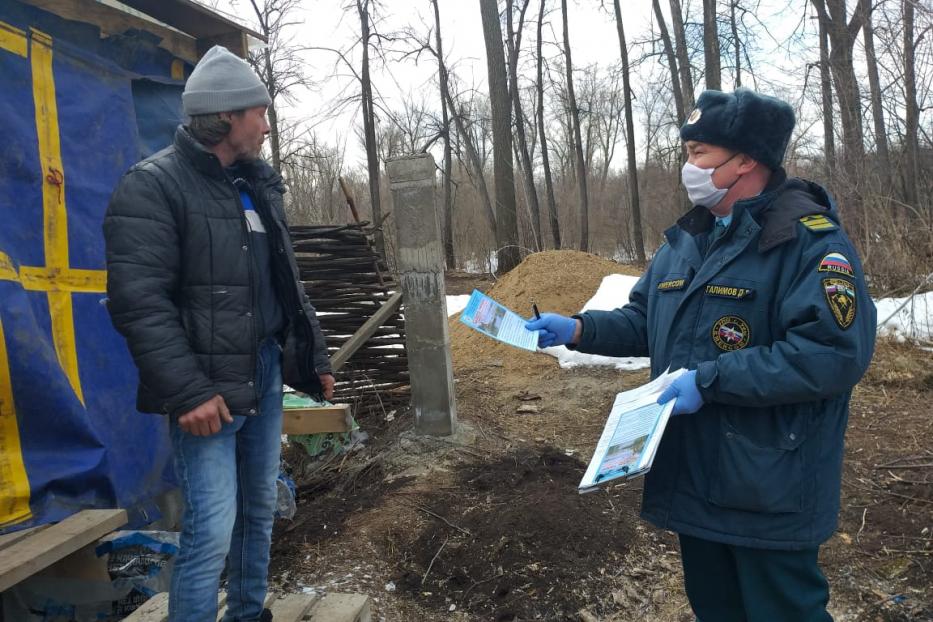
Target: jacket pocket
{"type": "Point", "coordinates": [757, 478]}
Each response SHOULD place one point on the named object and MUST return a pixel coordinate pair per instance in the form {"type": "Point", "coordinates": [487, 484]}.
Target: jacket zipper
{"type": "Point", "coordinates": [244, 228]}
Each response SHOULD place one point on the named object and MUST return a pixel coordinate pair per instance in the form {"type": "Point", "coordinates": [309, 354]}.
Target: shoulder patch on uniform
{"type": "Point", "coordinates": [816, 222]}
{"type": "Point", "coordinates": [840, 296]}
{"type": "Point", "coordinates": [836, 262]}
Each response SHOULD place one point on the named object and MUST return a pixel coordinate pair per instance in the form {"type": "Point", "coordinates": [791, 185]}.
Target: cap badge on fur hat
{"type": "Point", "coordinates": [757, 125]}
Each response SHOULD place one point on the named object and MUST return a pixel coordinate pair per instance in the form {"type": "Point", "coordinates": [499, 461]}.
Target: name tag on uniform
{"type": "Point", "coordinates": [672, 285]}
{"type": "Point", "coordinates": [730, 291]}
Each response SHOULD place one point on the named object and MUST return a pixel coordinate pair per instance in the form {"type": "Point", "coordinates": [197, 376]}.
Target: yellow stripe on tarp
{"type": "Point", "coordinates": [12, 39]}
{"type": "Point", "coordinates": [71, 280]}
{"type": "Point", "coordinates": [53, 204]}
{"type": "Point", "coordinates": [178, 69]}
{"type": "Point", "coordinates": [14, 485]}
{"type": "Point", "coordinates": [7, 269]}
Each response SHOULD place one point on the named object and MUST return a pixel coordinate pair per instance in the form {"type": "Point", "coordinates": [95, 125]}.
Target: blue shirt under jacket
{"type": "Point", "coordinates": [775, 317]}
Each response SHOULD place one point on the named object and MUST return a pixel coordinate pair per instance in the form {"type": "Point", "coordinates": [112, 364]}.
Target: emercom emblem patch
{"type": "Point", "coordinates": [730, 333]}
{"type": "Point", "coordinates": [840, 296]}
{"type": "Point", "coordinates": [836, 262]}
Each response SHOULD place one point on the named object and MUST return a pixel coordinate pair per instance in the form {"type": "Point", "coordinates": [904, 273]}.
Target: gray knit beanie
{"type": "Point", "coordinates": [222, 82]}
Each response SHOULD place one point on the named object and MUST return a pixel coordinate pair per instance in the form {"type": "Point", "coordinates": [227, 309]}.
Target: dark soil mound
{"type": "Point", "coordinates": [515, 540]}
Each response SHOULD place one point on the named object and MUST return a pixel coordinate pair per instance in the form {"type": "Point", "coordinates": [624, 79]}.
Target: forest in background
{"type": "Point", "coordinates": [550, 154]}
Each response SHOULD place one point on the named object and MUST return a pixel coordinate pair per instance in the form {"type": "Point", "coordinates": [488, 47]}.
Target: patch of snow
{"type": "Point", "coordinates": [906, 318]}
{"type": "Point", "coordinates": [456, 304]}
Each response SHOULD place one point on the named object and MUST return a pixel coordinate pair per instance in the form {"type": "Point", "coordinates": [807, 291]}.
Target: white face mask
{"type": "Point", "coordinates": [700, 187]}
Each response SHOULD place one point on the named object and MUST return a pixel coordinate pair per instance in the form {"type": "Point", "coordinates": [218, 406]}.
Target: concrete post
{"type": "Point", "coordinates": [420, 261]}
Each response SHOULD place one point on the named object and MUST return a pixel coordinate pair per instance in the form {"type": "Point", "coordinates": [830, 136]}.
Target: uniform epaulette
{"type": "Point", "coordinates": [818, 223]}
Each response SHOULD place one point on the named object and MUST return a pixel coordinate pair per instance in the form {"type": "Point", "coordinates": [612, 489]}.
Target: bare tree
{"type": "Point", "coordinates": [577, 141]}
{"type": "Point", "coordinates": [683, 56]}
{"type": "Point", "coordinates": [826, 90]}
{"type": "Point", "coordinates": [514, 43]}
{"type": "Point", "coordinates": [671, 57]}
{"type": "Point", "coordinates": [278, 63]}
{"type": "Point", "coordinates": [881, 137]}
{"type": "Point", "coordinates": [445, 130]}
{"type": "Point", "coordinates": [842, 35]}
{"type": "Point", "coordinates": [474, 161]}
{"type": "Point", "coordinates": [737, 43]}
{"type": "Point", "coordinates": [369, 124]}
{"type": "Point", "coordinates": [545, 161]}
{"type": "Point", "coordinates": [912, 111]}
{"type": "Point", "coordinates": [711, 45]}
{"type": "Point", "coordinates": [630, 139]}
{"type": "Point", "coordinates": [506, 218]}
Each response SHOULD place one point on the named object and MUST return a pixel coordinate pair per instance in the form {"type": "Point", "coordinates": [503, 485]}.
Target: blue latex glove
{"type": "Point", "coordinates": [553, 329]}
{"type": "Point", "coordinates": [687, 394]}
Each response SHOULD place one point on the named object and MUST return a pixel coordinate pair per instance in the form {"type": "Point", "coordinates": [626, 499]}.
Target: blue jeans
{"type": "Point", "coordinates": [228, 484]}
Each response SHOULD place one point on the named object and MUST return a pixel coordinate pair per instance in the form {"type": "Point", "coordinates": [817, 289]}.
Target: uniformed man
{"type": "Point", "coordinates": [760, 294]}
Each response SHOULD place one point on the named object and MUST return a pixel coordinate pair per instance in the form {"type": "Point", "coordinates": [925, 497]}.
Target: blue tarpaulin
{"type": "Point", "coordinates": [77, 111]}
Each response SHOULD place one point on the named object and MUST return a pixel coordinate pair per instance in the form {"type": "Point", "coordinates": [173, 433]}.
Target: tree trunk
{"type": "Point", "coordinates": [630, 140]}
{"type": "Point", "coordinates": [275, 145]}
{"type": "Point", "coordinates": [514, 41]}
{"type": "Point", "coordinates": [448, 233]}
{"type": "Point", "coordinates": [826, 88]}
{"type": "Point", "coordinates": [711, 46]}
{"type": "Point", "coordinates": [369, 127]}
{"type": "Point", "coordinates": [881, 138]}
{"type": "Point", "coordinates": [506, 221]}
{"type": "Point", "coordinates": [473, 157]}
{"type": "Point", "coordinates": [683, 58]}
{"type": "Point", "coordinates": [912, 116]}
{"type": "Point", "coordinates": [679, 103]}
{"type": "Point", "coordinates": [578, 143]}
{"type": "Point", "coordinates": [545, 161]}
{"type": "Point", "coordinates": [842, 40]}
{"type": "Point", "coordinates": [737, 44]}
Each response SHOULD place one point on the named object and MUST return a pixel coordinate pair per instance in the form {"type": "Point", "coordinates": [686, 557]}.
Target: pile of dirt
{"type": "Point", "coordinates": [516, 541]}
{"type": "Point", "coordinates": [558, 281]}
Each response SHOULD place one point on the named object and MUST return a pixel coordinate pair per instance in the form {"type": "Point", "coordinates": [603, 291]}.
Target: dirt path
{"type": "Point", "coordinates": [487, 525]}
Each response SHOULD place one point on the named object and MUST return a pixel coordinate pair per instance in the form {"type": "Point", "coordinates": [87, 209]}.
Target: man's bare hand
{"type": "Point", "coordinates": [206, 418]}
{"type": "Point", "coordinates": [327, 385]}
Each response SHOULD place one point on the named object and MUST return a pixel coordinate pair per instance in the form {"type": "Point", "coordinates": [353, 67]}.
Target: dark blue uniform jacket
{"type": "Point", "coordinates": [775, 317]}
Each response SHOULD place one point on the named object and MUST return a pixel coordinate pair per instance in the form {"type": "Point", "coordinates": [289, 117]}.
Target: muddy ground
{"type": "Point", "coordinates": [487, 524]}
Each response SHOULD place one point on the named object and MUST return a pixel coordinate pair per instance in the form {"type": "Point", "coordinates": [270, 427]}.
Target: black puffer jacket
{"type": "Point", "coordinates": [181, 281]}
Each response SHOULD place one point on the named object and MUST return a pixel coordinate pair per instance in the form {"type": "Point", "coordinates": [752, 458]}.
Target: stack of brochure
{"type": "Point", "coordinates": [632, 434]}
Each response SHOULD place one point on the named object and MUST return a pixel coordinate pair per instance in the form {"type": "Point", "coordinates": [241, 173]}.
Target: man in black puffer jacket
{"type": "Point", "coordinates": [203, 283]}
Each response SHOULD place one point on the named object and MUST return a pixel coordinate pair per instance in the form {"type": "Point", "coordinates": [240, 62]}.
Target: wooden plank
{"type": "Point", "coordinates": [342, 608]}
{"type": "Point", "coordinates": [156, 608]}
{"type": "Point", "coordinates": [153, 610]}
{"type": "Point", "coordinates": [366, 331]}
{"type": "Point", "coordinates": [9, 538]}
{"type": "Point", "coordinates": [234, 40]}
{"type": "Point", "coordinates": [113, 21]}
{"type": "Point", "coordinates": [191, 17]}
{"type": "Point", "coordinates": [292, 607]}
{"type": "Point", "coordinates": [30, 555]}
{"type": "Point", "coordinates": [334, 418]}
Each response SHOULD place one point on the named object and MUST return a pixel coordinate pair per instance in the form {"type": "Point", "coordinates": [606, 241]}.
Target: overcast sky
{"type": "Point", "coordinates": [593, 39]}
